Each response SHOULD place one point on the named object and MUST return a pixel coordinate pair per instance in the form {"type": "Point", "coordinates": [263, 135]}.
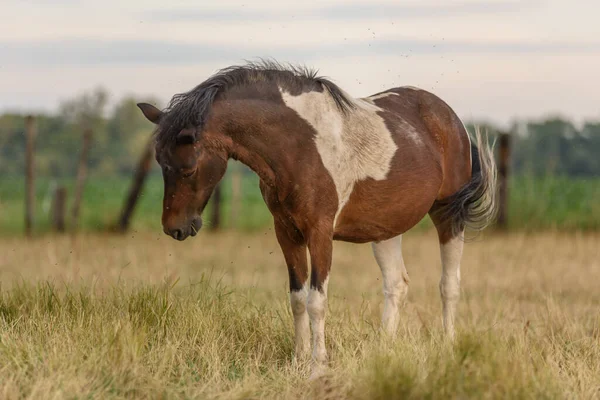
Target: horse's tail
{"type": "Point", "coordinates": [474, 205]}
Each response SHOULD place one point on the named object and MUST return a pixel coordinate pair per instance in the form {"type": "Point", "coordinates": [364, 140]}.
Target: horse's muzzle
{"type": "Point", "coordinates": [183, 233]}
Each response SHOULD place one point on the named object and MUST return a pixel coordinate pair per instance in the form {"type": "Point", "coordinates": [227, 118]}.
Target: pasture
{"type": "Point", "coordinates": [144, 316]}
{"type": "Point", "coordinates": [546, 203]}
{"type": "Point", "coordinates": [114, 142]}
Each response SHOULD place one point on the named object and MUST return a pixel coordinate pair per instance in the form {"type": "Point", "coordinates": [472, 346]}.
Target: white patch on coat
{"type": "Point", "coordinates": [411, 132]}
{"type": "Point", "coordinates": [451, 254]}
{"type": "Point", "coordinates": [407, 128]}
{"type": "Point", "coordinates": [298, 301]}
{"type": "Point", "coordinates": [317, 308]}
{"type": "Point", "coordinates": [411, 87]}
{"type": "Point", "coordinates": [382, 95]}
{"type": "Point", "coordinates": [353, 147]}
{"type": "Point", "coordinates": [388, 254]}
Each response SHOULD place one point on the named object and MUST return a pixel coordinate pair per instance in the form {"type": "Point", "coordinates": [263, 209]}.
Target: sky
{"type": "Point", "coordinates": [489, 60]}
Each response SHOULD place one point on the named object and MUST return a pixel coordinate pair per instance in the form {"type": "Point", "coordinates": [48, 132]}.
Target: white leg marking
{"type": "Point", "coordinates": [388, 254]}
{"type": "Point", "coordinates": [451, 253]}
{"type": "Point", "coordinates": [298, 300]}
{"type": "Point", "coordinates": [317, 307]}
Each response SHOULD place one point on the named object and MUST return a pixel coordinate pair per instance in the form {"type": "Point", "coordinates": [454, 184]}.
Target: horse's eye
{"type": "Point", "coordinates": [187, 174]}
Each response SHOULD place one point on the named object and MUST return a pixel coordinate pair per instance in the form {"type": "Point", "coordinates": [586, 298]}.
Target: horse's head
{"type": "Point", "coordinates": [191, 170]}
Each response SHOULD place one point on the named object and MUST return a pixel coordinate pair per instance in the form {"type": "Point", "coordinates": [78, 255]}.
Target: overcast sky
{"type": "Point", "coordinates": [488, 59]}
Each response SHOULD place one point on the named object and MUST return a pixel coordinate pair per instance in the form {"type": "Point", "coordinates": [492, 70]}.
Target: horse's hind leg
{"type": "Point", "coordinates": [388, 254]}
{"type": "Point", "coordinates": [451, 248]}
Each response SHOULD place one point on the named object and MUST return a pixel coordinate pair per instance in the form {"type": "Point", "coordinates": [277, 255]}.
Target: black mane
{"type": "Point", "coordinates": [191, 108]}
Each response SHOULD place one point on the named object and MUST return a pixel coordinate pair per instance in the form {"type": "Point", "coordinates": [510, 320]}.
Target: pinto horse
{"type": "Point", "coordinates": [331, 167]}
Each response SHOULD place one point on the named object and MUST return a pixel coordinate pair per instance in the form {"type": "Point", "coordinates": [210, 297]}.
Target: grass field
{"type": "Point", "coordinates": [144, 316]}
{"type": "Point", "coordinates": [553, 203]}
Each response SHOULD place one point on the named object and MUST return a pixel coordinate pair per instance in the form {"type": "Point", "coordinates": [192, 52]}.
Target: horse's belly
{"type": "Point", "coordinates": [372, 228]}
{"type": "Point", "coordinates": [379, 210]}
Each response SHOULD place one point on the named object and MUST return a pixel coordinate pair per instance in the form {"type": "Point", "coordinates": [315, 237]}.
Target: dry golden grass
{"type": "Point", "coordinates": [143, 316]}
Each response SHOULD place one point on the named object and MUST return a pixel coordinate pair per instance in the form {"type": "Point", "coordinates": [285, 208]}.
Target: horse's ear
{"type": "Point", "coordinates": [186, 136]}
{"type": "Point", "coordinates": [152, 113]}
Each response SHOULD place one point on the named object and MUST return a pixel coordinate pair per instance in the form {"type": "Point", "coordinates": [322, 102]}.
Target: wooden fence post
{"type": "Point", "coordinates": [141, 172]}
{"type": "Point", "coordinates": [30, 134]}
{"type": "Point", "coordinates": [216, 208]}
{"type": "Point", "coordinates": [57, 211]}
{"type": "Point", "coordinates": [503, 172]}
{"type": "Point", "coordinates": [81, 176]}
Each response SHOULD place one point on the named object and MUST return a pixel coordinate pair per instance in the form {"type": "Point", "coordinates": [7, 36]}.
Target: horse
{"type": "Point", "coordinates": [332, 167]}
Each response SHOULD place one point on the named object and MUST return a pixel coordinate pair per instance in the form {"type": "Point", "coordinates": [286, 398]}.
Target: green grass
{"type": "Point", "coordinates": [554, 203]}
{"type": "Point", "coordinates": [534, 203]}
{"type": "Point", "coordinates": [103, 200]}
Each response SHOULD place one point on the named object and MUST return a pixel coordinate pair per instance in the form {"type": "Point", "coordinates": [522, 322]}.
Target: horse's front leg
{"type": "Point", "coordinates": [293, 246]}
{"type": "Point", "coordinates": [320, 245]}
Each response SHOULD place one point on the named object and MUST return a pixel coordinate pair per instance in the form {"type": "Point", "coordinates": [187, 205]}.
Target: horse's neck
{"type": "Point", "coordinates": [258, 161]}
{"type": "Point", "coordinates": [246, 141]}
{"type": "Point", "coordinates": [268, 144]}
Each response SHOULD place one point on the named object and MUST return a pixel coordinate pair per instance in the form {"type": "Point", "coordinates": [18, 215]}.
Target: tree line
{"type": "Point", "coordinates": [550, 146]}
{"type": "Point", "coordinates": [119, 137]}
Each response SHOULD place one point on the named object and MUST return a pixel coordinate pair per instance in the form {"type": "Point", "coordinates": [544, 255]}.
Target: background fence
{"type": "Point", "coordinates": [102, 169]}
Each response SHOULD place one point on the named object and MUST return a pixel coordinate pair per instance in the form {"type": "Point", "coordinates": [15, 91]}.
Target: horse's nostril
{"type": "Point", "coordinates": [177, 234]}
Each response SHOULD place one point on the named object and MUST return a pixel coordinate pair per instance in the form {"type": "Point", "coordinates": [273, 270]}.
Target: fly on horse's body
{"type": "Point", "coordinates": [331, 167]}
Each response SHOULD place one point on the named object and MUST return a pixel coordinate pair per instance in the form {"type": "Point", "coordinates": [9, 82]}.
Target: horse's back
{"type": "Point", "coordinates": [432, 120]}
{"type": "Point", "coordinates": [432, 161]}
